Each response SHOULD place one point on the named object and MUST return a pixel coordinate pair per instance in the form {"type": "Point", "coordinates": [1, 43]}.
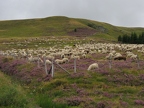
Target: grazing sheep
{"type": "Point", "coordinates": [75, 57]}
{"type": "Point", "coordinates": [93, 66]}
{"type": "Point", "coordinates": [33, 59]}
{"type": "Point", "coordinates": [62, 56]}
{"type": "Point", "coordinates": [129, 54]}
{"type": "Point", "coordinates": [58, 61]}
{"type": "Point", "coordinates": [83, 55]}
{"type": "Point", "coordinates": [134, 57]}
{"type": "Point", "coordinates": [65, 60]}
{"type": "Point", "coordinates": [48, 62]}
{"type": "Point", "coordinates": [117, 55]}
{"type": "Point", "coordinates": [50, 57]}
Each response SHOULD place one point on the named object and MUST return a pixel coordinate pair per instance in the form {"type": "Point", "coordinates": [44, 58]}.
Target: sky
{"type": "Point", "coordinates": [127, 13]}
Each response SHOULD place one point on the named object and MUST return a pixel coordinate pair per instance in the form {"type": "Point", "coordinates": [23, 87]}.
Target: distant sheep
{"type": "Point", "coordinates": [134, 57]}
{"type": "Point", "coordinates": [65, 60]}
{"type": "Point", "coordinates": [83, 55]}
{"type": "Point", "coordinates": [50, 57]}
{"type": "Point", "coordinates": [75, 57]}
{"type": "Point", "coordinates": [48, 62]}
{"type": "Point", "coordinates": [33, 59]}
{"type": "Point", "coordinates": [117, 55]}
{"type": "Point", "coordinates": [129, 54]}
{"type": "Point", "coordinates": [59, 61]}
{"type": "Point", "coordinates": [93, 66]}
{"type": "Point", "coordinates": [62, 56]}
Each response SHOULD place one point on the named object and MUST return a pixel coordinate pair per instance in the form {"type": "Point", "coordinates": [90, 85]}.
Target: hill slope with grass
{"type": "Point", "coordinates": [12, 94]}
{"type": "Point", "coordinates": [62, 26]}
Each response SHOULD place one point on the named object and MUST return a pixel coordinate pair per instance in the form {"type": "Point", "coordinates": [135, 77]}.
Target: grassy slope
{"type": "Point", "coordinates": [58, 26]}
{"type": "Point", "coordinates": [12, 95]}
{"type": "Point", "coordinates": [90, 89]}
{"type": "Point", "coordinates": [51, 26]}
{"type": "Point", "coordinates": [112, 31]}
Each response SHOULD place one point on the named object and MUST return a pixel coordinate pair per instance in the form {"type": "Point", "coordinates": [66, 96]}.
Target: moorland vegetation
{"type": "Point", "coordinates": [25, 83]}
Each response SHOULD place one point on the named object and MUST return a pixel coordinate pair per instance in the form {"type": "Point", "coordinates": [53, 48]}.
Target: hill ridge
{"type": "Point", "coordinates": [63, 26]}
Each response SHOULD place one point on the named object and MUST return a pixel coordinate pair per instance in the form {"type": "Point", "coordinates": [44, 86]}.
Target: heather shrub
{"type": "Point", "coordinates": [74, 101]}
{"type": "Point", "coordinates": [80, 75]}
{"type": "Point", "coordinates": [141, 77]}
{"type": "Point", "coordinates": [139, 102]}
{"type": "Point", "coordinates": [80, 101]}
{"type": "Point", "coordinates": [101, 104]}
{"type": "Point", "coordinates": [103, 71]}
{"type": "Point", "coordinates": [125, 79]}
{"type": "Point", "coordinates": [21, 69]}
{"type": "Point", "coordinates": [123, 104]}
{"type": "Point", "coordinates": [108, 95]}
{"type": "Point", "coordinates": [81, 92]}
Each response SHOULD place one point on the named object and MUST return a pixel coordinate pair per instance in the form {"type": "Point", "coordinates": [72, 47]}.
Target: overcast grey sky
{"type": "Point", "coordinates": [128, 13]}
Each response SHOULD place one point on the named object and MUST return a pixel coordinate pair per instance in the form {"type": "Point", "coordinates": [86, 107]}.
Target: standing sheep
{"type": "Point", "coordinates": [93, 66]}
{"type": "Point", "coordinates": [75, 57]}
{"type": "Point", "coordinates": [48, 62]}
{"type": "Point", "coordinates": [134, 57]}
{"type": "Point", "coordinates": [83, 55]}
{"type": "Point", "coordinates": [59, 61]}
{"type": "Point", "coordinates": [65, 60]}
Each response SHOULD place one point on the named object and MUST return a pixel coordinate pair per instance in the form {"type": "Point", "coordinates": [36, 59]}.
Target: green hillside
{"type": "Point", "coordinates": [12, 94]}
{"type": "Point", "coordinates": [62, 26]}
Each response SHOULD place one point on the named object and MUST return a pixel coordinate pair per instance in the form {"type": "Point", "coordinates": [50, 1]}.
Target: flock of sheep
{"type": "Point", "coordinates": [78, 51]}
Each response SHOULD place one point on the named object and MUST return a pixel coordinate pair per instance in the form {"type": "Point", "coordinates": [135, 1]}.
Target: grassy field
{"type": "Point", "coordinates": [119, 87]}
{"type": "Point", "coordinates": [24, 85]}
{"type": "Point", "coordinates": [29, 87]}
{"type": "Point", "coordinates": [12, 95]}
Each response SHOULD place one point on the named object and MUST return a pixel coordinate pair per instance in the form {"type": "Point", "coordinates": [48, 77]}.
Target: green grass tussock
{"type": "Point", "coordinates": [12, 95]}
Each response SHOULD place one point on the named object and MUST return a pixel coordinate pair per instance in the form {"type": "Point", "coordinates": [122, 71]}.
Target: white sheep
{"type": "Point", "coordinates": [129, 54]}
{"type": "Point", "coordinates": [134, 57]}
{"type": "Point", "coordinates": [75, 57]}
{"type": "Point", "coordinates": [83, 55]}
{"type": "Point", "coordinates": [48, 62]}
{"type": "Point", "coordinates": [50, 57]}
{"type": "Point", "coordinates": [65, 60]}
{"type": "Point", "coordinates": [93, 66]}
{"type": "Point", "coordinates": [109, 56]}
{"type": "Point", "coordinates": [117, 55]}
{"type": "Point", "coordinates": [62, 55]}
{"type": "Point", "coordinates": [59, 61]}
